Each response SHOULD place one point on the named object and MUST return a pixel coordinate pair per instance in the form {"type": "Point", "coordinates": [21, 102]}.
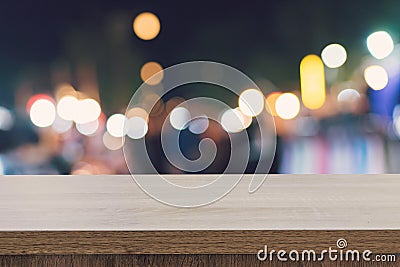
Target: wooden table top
{"type": "Point", "coordinates": [52, 214]}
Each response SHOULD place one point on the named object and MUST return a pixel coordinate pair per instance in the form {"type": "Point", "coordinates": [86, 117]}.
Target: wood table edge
{"type": "Point", "coordinates": [192, 241]}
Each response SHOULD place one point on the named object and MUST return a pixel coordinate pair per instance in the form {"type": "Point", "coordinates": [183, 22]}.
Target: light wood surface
{"type": "Point", "coordinates": [284, 202]}
{"type": "Point", "coordinates": [111, 215]}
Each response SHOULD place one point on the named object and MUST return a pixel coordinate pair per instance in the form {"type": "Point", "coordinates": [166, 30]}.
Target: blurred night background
{"type": "Point", "coordinates": [328, 71]}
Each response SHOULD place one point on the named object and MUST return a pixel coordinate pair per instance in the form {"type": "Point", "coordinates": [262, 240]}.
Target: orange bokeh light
{"type": "Point", "coordinates": [270, 103]}
{"type": "Point", "coordinates": [146, 26]}
{"type": "Point", "coordinates": [148, 70]}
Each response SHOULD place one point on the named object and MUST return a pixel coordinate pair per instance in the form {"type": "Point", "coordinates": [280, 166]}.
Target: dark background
{"type": "Point", "coordinates": [262, 38]}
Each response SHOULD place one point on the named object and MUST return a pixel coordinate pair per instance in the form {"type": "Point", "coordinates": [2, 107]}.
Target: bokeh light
{"type": "Point", "coordinates": [270, 103]}
{"type": "Point", "coordinates": [61, 126]}
{"type": "Point", "coordinates": [396, 120]}
{"type": "Point", "coordinates": [111, 142]}
{"type": "Point", "coordinates": [34, 98]}
{"type": "Point", "coordinates": [42, 113]}
{"type": "Point", "coordinates": [334, 55]}
{"type": "Point", "coordinates": [146, 26]}
{"type": "Point", "coordinates": [115, 125]}
{"type": "Point", "coordinates": [179, 118]}
{"type": "Point", "coordinates": [396, 125]}
{"type": "Point", "coordinates": [87, 110]}
{"type": "Point", "coordinates": [287, 106]}
{"type": "Point", "coordinates": [348, 95]}
{"type": "Point", "coordinates": [88, 128]}
{"type": "Point", "coordinates": [380, 44]}
{"type": "Point", "coordinates": [199, 125]}
{"type": "Point", "coordinates": [6, 119]}
{"type": "Point", "coordinates": [312, 81]}
{"type": "Point", "coordinates": [247, 120]}
{"type": "Point", "coordinates": [148, 70]}
{"type": "Point", "coordinates": [232, 120]}
{"type": "Point", "coordinates": [137, 112]}
{"type": "Point", "coordinates": [376, 77]}
{"type": "Point", "coordinates": [66, 107]}
{"type": "Point", "coordinates": [251, 102]}
{"type": "Point", "coordinates": [136, 127]}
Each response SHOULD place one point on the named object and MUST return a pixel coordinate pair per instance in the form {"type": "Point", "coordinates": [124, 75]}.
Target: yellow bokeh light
{"type": "Point", "coordinates": [270, 103]}
{"type": "Point", "coordinates": [312, 81]}
{"type": "Point", "coordinates": [287, 106]}
{"type": "Point", "coordinates": [148, 70]}
{"type": "Point", "coordinates": [146, 26]}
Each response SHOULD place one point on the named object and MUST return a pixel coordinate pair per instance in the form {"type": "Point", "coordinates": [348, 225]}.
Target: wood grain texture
{"type": "Point", "coordinates": [165, 260]}
{"type": "Point", "coordinates": [192, 242]}
{"type": "Point", "coordinates": [111, 215]}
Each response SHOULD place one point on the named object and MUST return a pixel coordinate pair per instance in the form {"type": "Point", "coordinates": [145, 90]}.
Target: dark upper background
{"type": "Point", "coordinates": [265, 39]}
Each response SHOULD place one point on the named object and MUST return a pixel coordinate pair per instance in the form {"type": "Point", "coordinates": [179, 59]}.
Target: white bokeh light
{"type": "Point", "coordinates": [376, 77]}
{"type": "Point", "coordinates": [396, 120]}
{"type": "Point", "coordinates": [287, 106]}
{"type": "Point", "coordinates": [42, 113]}
{"type": "Point", "coordinates": [136, 127]}
{"type": "Point", "coordinates": [251, 102]}
{"type": "Point", "coordinates": [396, 124]}
{"type": "Point", "coordinates": [334, 55]}
{"type": "Point", "coordinates": [89, 128]}
{"type": "Point", "coordinates": [179, 118]}
{"type": "Point", "coordinates": [61, 126]}
{"type": "Point", "coordinates": [66, 107]}
{"type": "Point", "coordinates": [348, 95]}
{"type": "Point", "coordinates": [247, 120]}
{"type": "Point", "coordinates": [232, 121]}
{"type": "Point", "coordinates": [115, 125]}
{"type": "Point", "coordinates": [87, 110]}
{"type": "Point", "coordinates": [6, 119]}
{"type": "Point", "coordinates": [199, 125]}
{"type": "Point", "coordinates": [380, 44]}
